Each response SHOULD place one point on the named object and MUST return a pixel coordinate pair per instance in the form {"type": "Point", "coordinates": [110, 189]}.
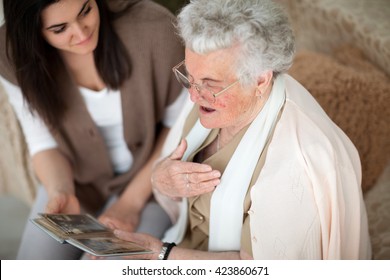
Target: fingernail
{"type": "Point", "coordinates": [208, 168]}
{"type": "Point", "coordinates": [111, 226]}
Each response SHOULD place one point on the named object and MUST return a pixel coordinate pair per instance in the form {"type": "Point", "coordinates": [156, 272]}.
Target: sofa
{"type": "Point", "coordinates": [343, 58]}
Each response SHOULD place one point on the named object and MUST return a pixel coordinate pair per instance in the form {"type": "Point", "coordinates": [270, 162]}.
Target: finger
{"type": "Point", "coordinates": [187, 180]}
{"type": "Point", "coordinates": [199, 177]}
{"type": "Point", "coordinates": [107, 218]}
{"type": "Point", "coordinates": [113, 224]}
{"type": "Point", "coordinates": [52, 207]}
{"type": "Point", "coordinates": [104, 220]}
{"type": "Point", "coordinates": [125, 235]}
{"type": "Point", "coordinates": [142, 239]}
{"type": "Point", "coordinates": [190, 167]}
{"type": "Point", "coordinates": [179, 151]}
{"type": "Point", "coordinates": [201, 188]}
{"type": "Point", "coordinates": [110, 224]}
{"type": "Point", "coordinates": [71, 205]}
{"type": "Point", "coordinates": [51, 210]}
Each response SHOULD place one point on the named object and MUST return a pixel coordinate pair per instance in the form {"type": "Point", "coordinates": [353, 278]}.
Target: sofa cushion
{"type": "Point", "coordinates": [377, 201]}
{"type": "Point", "coordinates": [16, 176]}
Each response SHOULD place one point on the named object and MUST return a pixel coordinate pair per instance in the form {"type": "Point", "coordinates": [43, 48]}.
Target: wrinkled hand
{"type": "Point", "coordinates": [176, 178]}
{"type": "Point", "coordinates": [120, 216]}
{"type": "Point", "coordinates": [145, 240]}
{"type": "Point", "coordinates": [60, 202]}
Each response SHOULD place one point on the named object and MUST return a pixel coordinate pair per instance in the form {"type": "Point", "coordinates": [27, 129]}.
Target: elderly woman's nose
{"type": "Point", "coordinates": [194, 94]}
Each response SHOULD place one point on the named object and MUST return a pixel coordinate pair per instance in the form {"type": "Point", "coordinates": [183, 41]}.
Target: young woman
{"type": "Point", "coordinates": [94, 94]}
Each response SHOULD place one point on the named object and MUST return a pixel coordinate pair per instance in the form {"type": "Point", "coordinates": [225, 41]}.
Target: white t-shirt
{"type": "Point", "coordinates": [105, 108]}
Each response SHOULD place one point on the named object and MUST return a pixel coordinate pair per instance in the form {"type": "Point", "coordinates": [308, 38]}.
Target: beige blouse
{"type": "Point", "coordinates": [197, 234]}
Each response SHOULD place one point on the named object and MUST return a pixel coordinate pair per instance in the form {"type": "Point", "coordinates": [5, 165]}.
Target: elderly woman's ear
{"type": "Point", "coordinates": [263, 83]}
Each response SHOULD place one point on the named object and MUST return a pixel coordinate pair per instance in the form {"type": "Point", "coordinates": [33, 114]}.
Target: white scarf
{"type": "Point", "coordinates": [227, 201]}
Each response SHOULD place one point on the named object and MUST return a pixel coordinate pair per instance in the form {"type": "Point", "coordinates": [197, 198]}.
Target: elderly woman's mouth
{"type": "Point", "coordinates": [206, 109]}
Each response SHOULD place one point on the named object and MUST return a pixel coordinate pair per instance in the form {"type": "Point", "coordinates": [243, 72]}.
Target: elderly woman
{"type": "Point", "coordinates": [263, 172]}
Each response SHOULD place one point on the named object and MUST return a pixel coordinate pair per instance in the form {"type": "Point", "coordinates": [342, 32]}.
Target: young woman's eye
{"type": "Point", "coordinates": [87, 10]}
{"type": "Point", "coordinates": [59, 30]}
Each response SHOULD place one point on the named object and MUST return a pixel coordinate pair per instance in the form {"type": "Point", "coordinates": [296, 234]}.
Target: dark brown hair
{"type": "Point", "coordinates": [36, 63]}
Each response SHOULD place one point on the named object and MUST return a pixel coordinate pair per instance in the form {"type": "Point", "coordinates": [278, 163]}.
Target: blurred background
{"type": "Point", "coordinates": [172, 5]}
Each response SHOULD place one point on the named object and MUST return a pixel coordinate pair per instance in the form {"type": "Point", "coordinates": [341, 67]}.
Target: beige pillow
{"type": "Point", "coordinates": [356, 95]}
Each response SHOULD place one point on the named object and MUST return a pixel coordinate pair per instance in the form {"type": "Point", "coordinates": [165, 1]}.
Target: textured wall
{"type": "Point", "coordinates": [322, 25]}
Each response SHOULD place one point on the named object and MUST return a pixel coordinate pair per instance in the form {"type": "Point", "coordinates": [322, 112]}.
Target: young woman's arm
{"type": "Point", "coordinates": [55, 174]}
{"type": "Point", "coordinates": [124, 214]}
{"type": "Point", "coordinates": [51, 167]}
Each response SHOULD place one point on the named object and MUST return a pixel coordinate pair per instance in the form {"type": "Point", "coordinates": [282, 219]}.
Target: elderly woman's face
{"type": "Point", "coordinates": [232, 108]}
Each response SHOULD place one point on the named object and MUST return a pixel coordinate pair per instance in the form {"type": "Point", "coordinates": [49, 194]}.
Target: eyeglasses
{"type": "Point", "coordinates": [205, 92]}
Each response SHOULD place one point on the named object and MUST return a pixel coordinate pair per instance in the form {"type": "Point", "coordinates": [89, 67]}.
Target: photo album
{"type": "Point", "coordinates": [86, 233]}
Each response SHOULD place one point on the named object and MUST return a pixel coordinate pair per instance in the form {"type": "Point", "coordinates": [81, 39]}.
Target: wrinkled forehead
{"type": "Point", "coordinates": [220, 63]}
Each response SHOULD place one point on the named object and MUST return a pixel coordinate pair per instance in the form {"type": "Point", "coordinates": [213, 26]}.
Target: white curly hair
{"type": "Point", "coordinates": [259, 28]}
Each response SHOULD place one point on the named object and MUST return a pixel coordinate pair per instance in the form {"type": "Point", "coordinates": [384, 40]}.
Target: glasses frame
{"type": "Point", "coordinates": [197, 87]}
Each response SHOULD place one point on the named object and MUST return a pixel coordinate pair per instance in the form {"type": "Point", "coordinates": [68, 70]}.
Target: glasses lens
{"type": "Point", "coordinates": [181, 76]}
{"type": "Point", "coordinates": [182, 79]}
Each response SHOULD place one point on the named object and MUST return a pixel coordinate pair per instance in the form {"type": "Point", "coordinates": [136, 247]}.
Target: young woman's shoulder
{"type": "Point", "coordinates": [146, 13]}
{"type": "Point", "coordinates": [149, 27]}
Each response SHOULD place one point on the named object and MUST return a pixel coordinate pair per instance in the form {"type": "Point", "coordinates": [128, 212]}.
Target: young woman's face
{"type": "Point", "coordinates": [72, 26]}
